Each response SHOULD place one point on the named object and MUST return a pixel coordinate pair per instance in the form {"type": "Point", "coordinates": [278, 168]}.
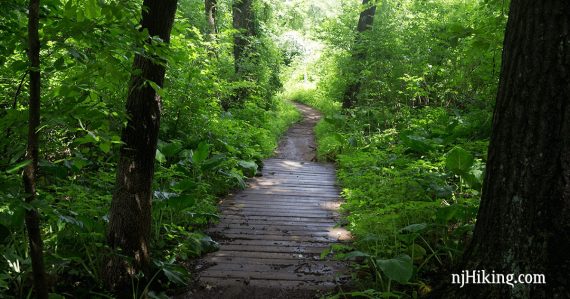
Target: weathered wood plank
{"type": "Point", "coordinates": [254, 223]}
{"type": "Point", "coordinates": [319, 189]}
{"type": "Point", "coordinates": [271, 219]}
{"type": "Point", "coordinates": [279, 208]}
{"type": "Point", "coordinates": [338, 234]}
{"type": "Point", "coordinates": [278, 284]}
{"type": "Point", "coordinates": [274, 275]}
{"type": "Point", "coordinates": [276, 249]}
{"type": "Point", "coordinates": [306, 196]}
{"type": "Point", "coordinates": [325, 176]}
{"type": "Point", "coordinates": [266, 255]}
{"type": "Point", "coordinates": [308, 228]}
{"type": "Point", "coordinates": [272, 261]}
{"type": "Point", "coordinates": [268, 198]}
{"type": "Point", "coordinates": [292, 182]}
{"type": "Point", "coordinates": [300, 176]}
{"type": "Point", "coordinates": [306, 268]}
{"type": "Point", "coordinates": [310, 205]}
{"type": "Point", "coordinates": [273, 233]}
{"type": "Point", "coordinates": [282, 213]}
{"type": "Point", "coordinates": [291, 193]}
{"type": "Point", "coordinates": [281, 240]}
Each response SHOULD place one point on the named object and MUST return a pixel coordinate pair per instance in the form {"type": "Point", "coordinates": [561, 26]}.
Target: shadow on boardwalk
{"type": "Point", "coordinates": [272, 234]}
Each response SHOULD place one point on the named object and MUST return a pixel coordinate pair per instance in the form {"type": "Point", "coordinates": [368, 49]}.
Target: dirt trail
{"type": "Point", "coordinates": [272, 233]}
{"type": "Point", "coordinates": [299, 142]}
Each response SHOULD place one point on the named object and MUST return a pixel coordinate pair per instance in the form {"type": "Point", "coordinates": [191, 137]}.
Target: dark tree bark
{"type": "Point", "coordinates": [366, 17]}
{"type": "Point", "coordinates": [31, 170]}
{"type": "Point", "coordinates": [365, 22]}
{"type": "Point", "coordinates": [130, 214]}
{"type": "Point", "coordinates": [524, 218]}
{"type": "Point", "coordinates": [211, 7]}
{"type": "Point", "coordinates": [243, 21]}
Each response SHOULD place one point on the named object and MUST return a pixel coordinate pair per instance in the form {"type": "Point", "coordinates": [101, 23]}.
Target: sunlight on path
{"type": "Point", "coordinates": [273, 233]}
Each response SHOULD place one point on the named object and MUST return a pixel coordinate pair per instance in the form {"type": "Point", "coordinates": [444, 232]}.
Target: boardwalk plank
{"type": "Point", "coordinates": [273, 233]}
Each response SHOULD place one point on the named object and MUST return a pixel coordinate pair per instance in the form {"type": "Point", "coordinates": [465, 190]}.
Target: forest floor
{"type": "Point", "coordinates": [272, 234]}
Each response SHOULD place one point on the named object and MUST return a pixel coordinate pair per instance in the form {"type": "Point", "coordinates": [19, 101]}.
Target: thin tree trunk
{"type": "Point", "coordinates": [130, 214]}
{"type": "Point", "coordinates": [366, 18]}
{"type": "Point", "coordinates": [243, 21]}
{"type": "Point", "coordinates": [31, 170]}
{"type": "Point", "coordinates": [211, 7]}
{"type": "Point", "coordinates": [365, 22]}
{"type": "Point", "coordinates": [524, 218]}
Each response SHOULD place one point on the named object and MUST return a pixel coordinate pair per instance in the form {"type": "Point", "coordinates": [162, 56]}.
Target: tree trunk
{"type": "Point", "coordinates": [366, 17]}
{"type": "Point", "coordinates": [524, 218]}
{"type": "Point", "coordinates": [365, 23]}
{"type": "Point", "coordinates": [31, 170]}
{"type": "Point", "coordinates": [211, 7]}
{"type": "Point", "coordinates": [130, 214]}
{"type": "Point", "coordinates": [243, 21]}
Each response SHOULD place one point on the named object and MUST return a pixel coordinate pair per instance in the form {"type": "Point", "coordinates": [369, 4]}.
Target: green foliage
{"type": "Point", "coordinates": [87, 48]}
{"type": "Point", "coordinates": [411, 153]}
{"type": "Point", "coordinates": [399, 268]}
{"type": "Point", "coordinates": [459, 160]}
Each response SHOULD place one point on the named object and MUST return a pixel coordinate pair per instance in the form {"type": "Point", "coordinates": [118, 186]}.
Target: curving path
{"type": "Point", "coordinates": [272, 234]}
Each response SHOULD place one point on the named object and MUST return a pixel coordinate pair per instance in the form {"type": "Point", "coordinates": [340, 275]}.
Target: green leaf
{"type": "Point", "coordinates": [235, 175]}
{"type": "Point", "coordinates": [414, 228]}
{"type": "Point", "coordinates": [214, 162]}
{"type": "Point", "coordinates": [209, 245]}
{"type": "Point", "coordinates": [249, 168]}
{"type": "Point", "coordinates": [156, 88]}
{"type": "Point", "coordinates": [459, 161]}
{"type": "Point", "coordinates": [18, 166]}
{"type": "Point", "coordinates": [474, 178]}
{"type": "Point", "coordinates": [105, 147]}
{"type": "Point", "coordinates": [171, 149]}
{"type": "Point", "coordinates": [175, 273]}
{"type": "Point", "coordinates": [79, 163]}
{"type": "Point", "coordinates": [175, 276]}
{"type": "Point", "coordinates": [92, 9]}
{"type": "Point", "coordinates": [416, 143]}
{"type": "Point", "coordinates": [69, 220]}
{"type": "Point", "coordinates": [355, 254]}
{"type": "Point", "coordinates": [399, 268]}
{"type": "Point", "coordinates": [181, 203]}
{"type": "Point", "coordinates": [417, 251]}
{"type": "Point", "coordinates": [185, 185]}
{"type": "Point", "coordinates": [80, 15]}
{"type": "Point", "coordinates": [446, 214]}
{"type": "Point", "coordinates": [69, 10]}
{"type": "Point", "coordinates": [18, 217]}
{"type": "Point", "coordinates": [201, 153]}
{"type": "Point", "coordinates": [160, 157]}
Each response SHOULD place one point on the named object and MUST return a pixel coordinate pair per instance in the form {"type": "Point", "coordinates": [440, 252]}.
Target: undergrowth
{"type": "Point", "coordinates": [193, 170]}
{"type": "Point", "coordinates": [411, 149]}
{"type": "Point", "coordinates": [411, 190]}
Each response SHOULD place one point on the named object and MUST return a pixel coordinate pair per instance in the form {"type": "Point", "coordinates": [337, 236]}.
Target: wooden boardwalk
{"type": "Point", "coordinates": [273, 233]}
